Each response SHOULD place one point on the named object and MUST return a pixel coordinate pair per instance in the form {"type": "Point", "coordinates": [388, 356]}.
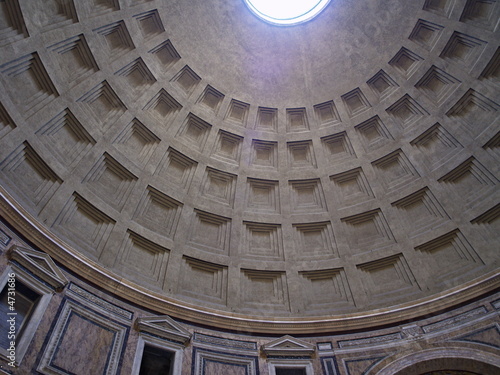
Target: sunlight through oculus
{"type": "Point", "coordinates": [286, 12]}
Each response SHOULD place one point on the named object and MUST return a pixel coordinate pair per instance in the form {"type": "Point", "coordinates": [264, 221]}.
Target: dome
{"type": "Point", "coordinates": [196, 161]}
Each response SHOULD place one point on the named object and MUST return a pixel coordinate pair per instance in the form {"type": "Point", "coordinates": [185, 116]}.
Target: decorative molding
{"type": "Point", "coordinates": [210, 232]}
{"type": "Point", "coordinates": [158, 212]}
{"type": "Point", "coordinates": [116, 39]}
{"type": "Point", "coordinates": [307, 196]}
{"type": "Point", "coordinates": [439, 7]}
{"type": "Point", "coordinates": [421, 211]}
{"type": "Point", "coordinates": [368, 231]}
{"type": "Point", "coordinates": [396, 171]}
{"type": "Point", "coordinates": [75, 58]}
{"type": "Point", "coordinates": [177, 168]}
{"type": "Point", "coordinates": [221, 362]}
{"type": "Point", "coordinates": [174, 350]}
{"type": "Point", "coordinates": [136, 141]}
{"type": "Point", "coordinates": [411, 332]}
{"type": "Point", "coordinates": [481, 13]}
{"type": "Point", "coordinates": [6, 122]}
{"type": "Point", "coordinates": [496, 304]}
{"type": "Point", "coordinates": [462, 49]}
{"type": "Point", "coordinates": [382, 84]}
{"type": "Point", "coordinates": [406, 111]}
{"type": "Point", "coordinates": [437, 145]}
{"type": "Point", "coordinates": [164, 327]}
{"type": "Point", "coordinates": [103, 104]}
{"type": "Point", "coordinates": [237, 112]}
{"type": "Point", "coordinates": [313, 240]}
{"type": "Point", "coordinates": [327, 114]}
{"type": "Point", "coordinates": [263, 196]}
{"type": "Point", "coordinates": [330, 366]}
{"type": "Point", "coordinates": [288, 346]}
{"type": "Point", "coordinates": [70, 313]}
{"type": "Point", "coordinates": [30, 175]}
{"type": "Point", "coordinates": [166, 55]}
{"type": "Point", "coordinates": [324, 346]}
{"type": "Point", "coordinates": [14, 28]}
{"type": "Point", "coordinates": [203, 281]}
{"type": "Point", "coordinates": [264, 154]}
{"type": "Point", "coordinates": [426, 33]}
{"type": "Point", "coordinates": [24, 277]}
{"type": "Point", "coordinates": [481, 336]}
{"type": "Point", "coordinates": [455, 320]}
{"type": "Point", "coordinates": [492, 70]}
{"type": "Point", "coordinates": [267, 119]}
{"type": "Point", "coordinates": [150, 24]}
{"type": "Point", "coordinates": [301, 154]}
{"type": "Point", "coordinates": [264, 241]}
{"type": "Point", "coordinates": [138, 75]}
{"type": "Point", "coordinates": [370, 341]}
{"type": "Point", "coordinates": [68, 139]}
{"type": "Point", "coordinates": [437, 85]}
{"type": "Point", "coordinates": [219, 186]}
{"type": "Point", "coordinates": [81, 294]}
{"type": "Point", "coordinates": [194, 132]}
{"type": "Point", "coordinates": [374, 133]}
{"type": "Point", "coordinates": [211, 99]}
{"type": "Point", "coordinates": [228, 147]}
{"type": "Point", "coordinates": [40, 265]}
{"type": "Point", "coordinates": [360, 365]}
{"type": "Point", "coordinates": [224, 342]}
{"type": "Point", "coordinates": [4, 238]}
{"type": "Point", "coordinates": [280, 365]}
{"type": "Point", "coordinates": [406, 363]}
{"type": "Point", "coordinates": [296, 120]}
{"type": "Point", "coordinates": [186, 79]}
{"type": "Point", "coordinates": [338, 146]}
{"type": "Point", "coordinates": [352, 187]}
{"type": "Point", "coordinates": [28, 83]}
{"type": "Point", "coordinates": [163, 106]}
{"type": "Point", "coordinates": [355, 102]}
{"type": "Point", "coordinates": [406, 62]}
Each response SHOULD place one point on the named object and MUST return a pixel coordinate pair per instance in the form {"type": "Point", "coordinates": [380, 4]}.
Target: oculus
{"type": "Point", "coordinates": [286, 12]}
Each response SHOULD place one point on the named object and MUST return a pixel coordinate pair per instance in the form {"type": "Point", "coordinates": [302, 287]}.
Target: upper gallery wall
{"type": "Point", "coordinates": [193, 159]}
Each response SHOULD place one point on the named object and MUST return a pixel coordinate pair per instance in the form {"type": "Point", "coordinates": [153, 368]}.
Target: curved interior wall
{"type": "Point", "coordinates": [79, 328]}
{"type": "Point", "coordinates": [199, 163]}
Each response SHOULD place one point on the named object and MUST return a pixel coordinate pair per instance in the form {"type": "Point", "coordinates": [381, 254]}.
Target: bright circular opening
{"type": "Point", "coordinates": [286, 12]}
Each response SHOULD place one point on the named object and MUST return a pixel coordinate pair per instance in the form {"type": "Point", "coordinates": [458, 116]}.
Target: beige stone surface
{"type": "Point", "coordinates": [188, 154]}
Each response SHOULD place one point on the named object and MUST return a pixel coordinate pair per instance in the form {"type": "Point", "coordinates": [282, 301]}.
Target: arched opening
{"type": "Point", "coordinates": [445, 361]}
